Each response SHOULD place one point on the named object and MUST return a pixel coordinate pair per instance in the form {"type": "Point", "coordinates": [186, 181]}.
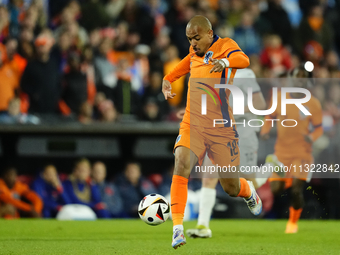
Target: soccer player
{"type": "Point", "coordinates": [209, 57]}
{"type": "Point", "coordinates": [248, 142]}
{"type": "Point", "coordinates": [17, 197]}
{"type": "Point", "coordinates": [294, 145]}
{"type": "Point", "coordinates": [51, 191]}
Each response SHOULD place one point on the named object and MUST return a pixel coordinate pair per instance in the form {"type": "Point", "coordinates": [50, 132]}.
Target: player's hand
{"type": "Point", "coordinates": [166, 89]}
{"type": "Point", "coordinates": [180, 114]}
{"type": "Point", "coordinates": [265, 136]}
{"type": "Point", "coordinates": [218, 64]}
{"type": "Point", "coordinates": [308, 139]}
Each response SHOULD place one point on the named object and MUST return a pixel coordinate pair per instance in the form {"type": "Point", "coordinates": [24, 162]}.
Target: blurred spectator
{"type": "Point", "coordinates": [30, 20]}
{"type": "Point", "coordinates": [81, 190]}
{"type": "Point", "coordinates": [293, 11]}
{"type": "Point", "coordinates": [332, 60]}
{"type": "Point", "coordinates": [126, 98]}
{"type": "Point", "coordinates": [121, 39]}
{"type": "Point", "coordinates": [106, 78]}
{"type": "Point", "coordinates": [246, 36]}
{"type": "Point", "coordinates": [87, 68]}
{"type": "Point", "coordinates": [86, 112]}
{"type": "Point", "coordinates": [236, 8]}
{"type": "Point", "coordinates": [48, 186]}
{"type": "Point", "coordinates": [95, 39]}
{"type": "Point", "coordinates": [275, 56]}
{"type": "Point", "coordinates": [13, 115]}
{"type": "Point", "coordinates": [133, 187]}
{"type": "Point", "coordinates": [107, 111]}
{"type": "Point", "coordinates": [78, 34]}
{"type": "Point", "coordinates": [177, 19]}
{"type": "Point", "coordinates": [314, 27]}
{"type": "Point", "coordinates": [93, 14]}
{"type": "Point", "coordinates": [277, 17]}
{"type": "Point", "coordinates": [4, 23]}
{"type": "Point", "coordinates": [99, 98]}
{"type": "Point", "coordinates": [141, 68]}
{"type": "Point", "coordinates": [17, 198]}
{"type": "Point", "coordinates": [171, 60]}
{"type": "Point", "coordinates": [26, 48]}
{"type": "Point", "coordinates": [155, 107]}
{"type": "Point", "coordinates": [74, 85]}
{"type": "Point", "coordinates": [165, 185]}
{"type": "Point", "coordinates": [41, 80]}
{"type": "Point", "coordinates": [63, 49]}
{"type": "Point", "coordinates": [9, 80]}
{"type": "Point", "coordinates": [113, 9]}
{"type": "Point", "coordinates": [13, 57]}
{"type": "Point", "coordinates": [108, 191]}
{"type": "Point", "coordinates": [139, 20]}
{"type": "Point", "coordinates": [158, 48]}
{"type": "Point", "coordinates": [15, 9]}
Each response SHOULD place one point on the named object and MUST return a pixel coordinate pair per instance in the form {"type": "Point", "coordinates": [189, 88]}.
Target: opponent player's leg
{"type": "Point", "coordinates": [185, 160]}
{"type": "Point", "coordinates": [271, 165]}
{"type": "Point", "coordinates": [297, 203]}
{"type": "Point", "coordinates": [207, 201]}
{"type": "Point", "coordinates": [206, 205]}
{"type": "Point", "coordinates": [277, 187]}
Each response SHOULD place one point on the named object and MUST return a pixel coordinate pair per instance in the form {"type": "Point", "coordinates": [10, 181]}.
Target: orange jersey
{"type": "Point", "coordinates": [291, 140]}
{"type": "Point", "coordinates": [202, 82]}
{"type": "Point", "coordinates": [12, 196]}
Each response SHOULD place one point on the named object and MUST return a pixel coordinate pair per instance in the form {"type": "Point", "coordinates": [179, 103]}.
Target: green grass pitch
{"type": "Point", "coordinates": [230, 237]}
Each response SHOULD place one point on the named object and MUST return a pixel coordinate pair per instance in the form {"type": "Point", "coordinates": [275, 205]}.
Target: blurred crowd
{"type": "Point", "coordinates": [45, 194]}
{"type": "Point", "coordinates": [103, 60]}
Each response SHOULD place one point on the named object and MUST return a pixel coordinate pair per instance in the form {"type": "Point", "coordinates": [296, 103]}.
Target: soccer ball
{"type": "Point", "coordinates": [154, 209]}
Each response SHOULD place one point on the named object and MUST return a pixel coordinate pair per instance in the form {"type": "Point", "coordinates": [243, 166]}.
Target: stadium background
{"type": "Point", "coordinates": [109, 58]}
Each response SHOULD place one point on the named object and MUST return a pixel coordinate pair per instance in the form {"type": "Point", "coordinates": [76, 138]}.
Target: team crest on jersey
{"type": "Point", "coordinates": [207, 56]}
{"type": "Point", "coordinates": [178, 138]}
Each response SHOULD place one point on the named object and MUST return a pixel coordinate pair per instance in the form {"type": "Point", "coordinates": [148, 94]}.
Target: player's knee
{"type": "Point", "coordinates": [182, 167]}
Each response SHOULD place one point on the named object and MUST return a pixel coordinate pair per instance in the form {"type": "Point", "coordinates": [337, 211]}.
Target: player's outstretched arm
{"type": "Point", "coordinates": [181, 69]}
{"type": "Point", "coordinates": [166, 89]}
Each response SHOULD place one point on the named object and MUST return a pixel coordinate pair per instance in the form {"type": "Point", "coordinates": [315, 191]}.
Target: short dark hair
{"type": "Point", "coordinates": [7, 169]}
{"type": "Point", "coordinates": [132, 162]}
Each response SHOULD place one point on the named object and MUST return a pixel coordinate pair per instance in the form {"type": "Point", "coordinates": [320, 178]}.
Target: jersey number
{"type": "Point", "coordinates": [233, 148]}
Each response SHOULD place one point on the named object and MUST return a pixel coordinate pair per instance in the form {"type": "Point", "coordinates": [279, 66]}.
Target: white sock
{"type": "Point", "coordinates": [177, 227]}
{"type": "Point", "coordinates": [262, 177]}
{"type": "Point", "coordinates": [207, 202]}
{"type": "Point", "coordinates": [260, 181]}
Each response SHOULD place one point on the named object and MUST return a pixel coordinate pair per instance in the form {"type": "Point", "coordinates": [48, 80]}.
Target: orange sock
{"type": "Point", "coordinates": [294, 214]}
{"type": "Point", "coordinates": [244, 189]}
{"type": "Point", "coordinates": [179, 194]}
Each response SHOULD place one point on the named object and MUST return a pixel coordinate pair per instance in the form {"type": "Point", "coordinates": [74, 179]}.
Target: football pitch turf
{"type": "Point", "coordinates": [135, 237]}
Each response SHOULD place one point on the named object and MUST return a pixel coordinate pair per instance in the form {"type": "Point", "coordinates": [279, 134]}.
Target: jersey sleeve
{"type": "Point", "coordinates": [181, 69]}
{"type": "Point", "coordinates": [235, 56]}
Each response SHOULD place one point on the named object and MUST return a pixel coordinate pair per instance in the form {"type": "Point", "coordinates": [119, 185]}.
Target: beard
{"type": "Point", "coordinates": [200, 54]}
